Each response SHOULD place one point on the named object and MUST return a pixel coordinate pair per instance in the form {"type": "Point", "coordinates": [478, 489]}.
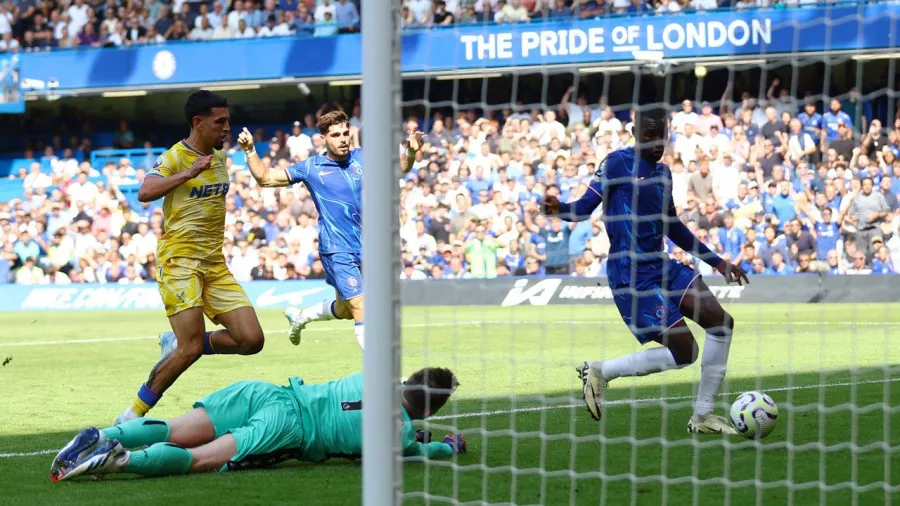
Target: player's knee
{"type": "Point", "coordinates": [685, 354]}
{"type": "Point", "coordinates": [252, 343]}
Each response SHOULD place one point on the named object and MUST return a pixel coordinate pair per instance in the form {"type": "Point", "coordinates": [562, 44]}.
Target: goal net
{"type": "Point", "coordinates": [785, 165]}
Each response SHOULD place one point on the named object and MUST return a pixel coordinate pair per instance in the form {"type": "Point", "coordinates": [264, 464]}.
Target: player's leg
{"type": "Point", "coordinates": [226, 303]}
{"type": "Point", "coordinates": [700, 305]}
{"type": "Point", "coordinates": [193, 342]}
{"type": "Point", "coordinates": [651, 316]}
{"type": "Point", "coordinates": [109, 445]}
{"type": "Point", "coordinates": [343, 272]}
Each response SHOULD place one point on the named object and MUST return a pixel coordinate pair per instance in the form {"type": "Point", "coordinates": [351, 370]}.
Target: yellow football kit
{"type": "Point", "coordinates": [192, 270]}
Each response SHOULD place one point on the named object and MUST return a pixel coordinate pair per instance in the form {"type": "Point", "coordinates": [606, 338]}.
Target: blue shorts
{"type": "Point", "coordinates": [343, 272]}
{"type": "Point", "coordinates": [648, 307]}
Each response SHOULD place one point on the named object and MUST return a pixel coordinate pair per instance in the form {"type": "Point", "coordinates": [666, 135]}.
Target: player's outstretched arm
{"type": "Point", "coordinates": [267, 178]}
{"type": "Point", "coordinates": [686, 240]}
{"type": "Point", "coordinates": [413, 145]}
{"type": "Point", "coordinates": [157, 184]}
{"type": "Point", "coordinates": [579, 210]}
{"type": "Point", "coordinates": [450, 446]}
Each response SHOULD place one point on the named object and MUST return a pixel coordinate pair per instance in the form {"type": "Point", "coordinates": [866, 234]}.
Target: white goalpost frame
{"type": "Point", "coordinates": [381, 468]}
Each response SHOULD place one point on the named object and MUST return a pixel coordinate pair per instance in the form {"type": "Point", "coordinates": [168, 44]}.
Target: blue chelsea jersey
{"type": "Point", "coordinates": [336, 190]}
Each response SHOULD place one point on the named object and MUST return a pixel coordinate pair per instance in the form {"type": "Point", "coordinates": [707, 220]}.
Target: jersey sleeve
{"type": "Point", "coordinates": [299, 172]}
{"type": "Point", "coordinates": [582, 208]}
{"type": "Point", "coordinates": [163, 167]}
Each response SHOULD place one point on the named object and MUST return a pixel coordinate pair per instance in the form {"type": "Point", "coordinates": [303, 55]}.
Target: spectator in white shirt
{"type": "Point", "coordinates": [686, 143]}
{"type": "Point", "coordinates": [36, 178]}
{"type": "Point", "coordinates": [685, 116]}
{"type": "Point", "coordinates": [512, 12]}
{"type": "Point", "coordinates": [7, 43]}
{"type": "Point", "coordinates": [704, 4]}
{"type": "Point", "coordinates": [607, 122]}
{"type": "Point", "coordinates": [222, 32]}
{"type": "Point", "coordinates": [78, 14]}
{"type": "Point", "coordinates": [299, 144]}
{"type": "Point", "coordinates": [420, 10]}
{"type": "Point", "coordinates": [243, 31]}
{"type": "Point", "coordinates": [410, 272]}
{"type": "Point", "coordinates": [268, 30]}
{"type": "Point", "coordinates": [322, 8]}
{"type": "Point", "coordinates": [239, 13]}
{"type": "Point", "coordinates": [6, 20]}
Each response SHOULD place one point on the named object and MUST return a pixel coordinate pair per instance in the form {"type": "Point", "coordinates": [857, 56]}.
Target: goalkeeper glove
{"type": "Point", "coordinates": [457, 443]}
{"type": "Point", "coordinates": [423, 436]}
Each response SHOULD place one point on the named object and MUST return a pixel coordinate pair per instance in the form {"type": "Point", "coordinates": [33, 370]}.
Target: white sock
{"type": "Point", "coordinates": [320, 312]}
{"type": "Point", "coordinates": [360, 330]}
{"type": "Point", "coordinates": [712, 371]}
{"type": "Point", "coordinates": [642, 363]}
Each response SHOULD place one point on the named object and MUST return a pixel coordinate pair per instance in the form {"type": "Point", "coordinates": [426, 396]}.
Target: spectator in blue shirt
{"type": "Point", "coordinates": [881, 264]}
{"type": "Point", "coordinates": [778, 268]}
{"type": "Point", "coordinates": [783, 205]}
{"type": "Point", "coordinates": [4, 271]}
{"type": "Point", "coordinates": [773, 244]}
{"type": "Point", "coordinates": [831, 118]}
{"type": "Point", "coordinates": [26, 248]}
{"type": "Point", "coordinates": [346, 16]}
{"type": "Point", "coordinates": [827, 233]}
{"type": "Point", "coordinates": [731, 237]}
{"type": "Point", "coordinates": [557, 241]}
{"type": "Point", "coordinates": [811, 121]}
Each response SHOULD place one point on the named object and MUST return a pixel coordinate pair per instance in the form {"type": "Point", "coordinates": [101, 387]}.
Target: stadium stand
{"type": "Point", "coordinates": [42, 26]}
{"type": "Point", "coordinates": [770, 184]}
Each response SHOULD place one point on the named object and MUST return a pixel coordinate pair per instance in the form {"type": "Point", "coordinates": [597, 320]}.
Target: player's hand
{"type": "Point", "coordinates": [550, 205]}
{"type": "Point", "coordinates": [245, 140]}
{"type": "Point", "coordinates": [732, 273]}
{"type": "Point", "coordinates": [457, 443]}
{"type": "Point", "coordinates": [201, 164]}
{"type": "Point", "coordinates": [423, 436]}
{"type": "Point", "coordinates": [414, 141]}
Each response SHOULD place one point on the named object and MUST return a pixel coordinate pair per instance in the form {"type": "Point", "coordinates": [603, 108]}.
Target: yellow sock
{"type": "Point", "coordinates": [140, 407]}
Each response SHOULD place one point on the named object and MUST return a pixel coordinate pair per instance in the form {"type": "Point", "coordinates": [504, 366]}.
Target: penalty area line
{"type": "Point", "coordinates": [570, 406]}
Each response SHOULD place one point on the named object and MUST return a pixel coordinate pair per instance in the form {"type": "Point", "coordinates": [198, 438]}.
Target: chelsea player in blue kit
{"type": "Point", "coordinates": [254, 424]}
{"type": "Point", "coordinates": [334, 181]}
{"type": "Point", "coordinates": [653, 292]}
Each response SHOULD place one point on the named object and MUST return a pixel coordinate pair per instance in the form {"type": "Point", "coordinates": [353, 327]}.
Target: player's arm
{"type": "Point", "coordinates": [267, 178]}
{"type": "Point", "coordinates": [582, 208]}
{"type": "Point", "coordinates": [422, 446]}
{"type": "Point", "coordinates": [159, 181]}
{"type": "Point", "coordinates": [686, 240]}
{"type": "Point", "coordinates": [413, 145]}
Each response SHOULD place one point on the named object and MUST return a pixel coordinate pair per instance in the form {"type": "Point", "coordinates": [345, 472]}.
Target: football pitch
{"type": "Point", "coordinates": [831, 369]}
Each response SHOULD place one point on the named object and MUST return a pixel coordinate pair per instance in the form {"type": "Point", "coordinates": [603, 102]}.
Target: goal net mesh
{"type": "Point", "coordinates": [469, 211]}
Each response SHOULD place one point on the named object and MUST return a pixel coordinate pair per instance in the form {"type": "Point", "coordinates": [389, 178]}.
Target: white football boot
{"type": "Point", "coordinates": [82, 445]}
{"type": "Point", "coordinates": [167, 344]}
{"type": "Point", "coordinates": [298, 322]}
{"type": "Point", "coordinates": [710, 424]}
{"type": "Point", "coordinates": [594, 390]}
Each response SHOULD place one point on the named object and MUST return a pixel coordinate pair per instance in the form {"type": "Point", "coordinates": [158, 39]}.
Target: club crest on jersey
{"type": "Point", "coordinates": [356, 170]}
{"type": "Point", "coordinates": [353, 282]}
{"type": "Point", "coordinates": [660, 312]}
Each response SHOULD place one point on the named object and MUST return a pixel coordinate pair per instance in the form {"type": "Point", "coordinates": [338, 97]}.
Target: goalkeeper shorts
{"type": "Point", "coordinates": [263, 418]}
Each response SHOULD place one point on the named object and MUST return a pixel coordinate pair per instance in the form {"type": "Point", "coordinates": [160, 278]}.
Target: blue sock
{"type": "Point", "coordinates": [146, 399]}
{"type": "Point", "coordinates": [207, 345]}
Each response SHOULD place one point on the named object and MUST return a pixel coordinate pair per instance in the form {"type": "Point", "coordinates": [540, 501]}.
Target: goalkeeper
{"type": "Point", "coordinates": [254, 424]}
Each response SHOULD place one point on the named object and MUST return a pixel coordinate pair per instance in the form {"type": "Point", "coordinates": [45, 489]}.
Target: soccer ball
{"type": "Point", "coordinates": [754, 415]}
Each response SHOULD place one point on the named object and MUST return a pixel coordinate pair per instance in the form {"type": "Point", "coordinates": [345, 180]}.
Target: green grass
{"type": "Point", "coordinates": [530, 440]}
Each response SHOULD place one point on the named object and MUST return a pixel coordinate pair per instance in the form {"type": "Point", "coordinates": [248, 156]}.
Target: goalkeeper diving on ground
{"type": "Point", "coordinates": [652, 292]}
{"type": "Point", "coordinates": [254, 424]}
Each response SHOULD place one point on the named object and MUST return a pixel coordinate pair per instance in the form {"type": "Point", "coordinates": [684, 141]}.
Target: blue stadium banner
{"type": "Point", "coordinates": [12, 100]}
{"type": "Point", "coordinates": [78, 297]}
{"type": "Point", "coordinates": [613, 39]}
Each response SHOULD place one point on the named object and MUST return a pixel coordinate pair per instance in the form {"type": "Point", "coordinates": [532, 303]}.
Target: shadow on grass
{"type": "Point", "coordinates": [549, 451]}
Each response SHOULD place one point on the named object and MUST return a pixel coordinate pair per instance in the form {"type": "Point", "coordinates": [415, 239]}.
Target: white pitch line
{"type": "Point", "coordinates": [569, 406]}
{"type": "Point", "coordinates": [644, 400]}
{"type": "Point", "coordinates": [511, 323]}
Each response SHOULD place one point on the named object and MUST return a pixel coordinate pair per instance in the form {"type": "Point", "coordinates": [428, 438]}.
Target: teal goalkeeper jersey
{"type": "Point", "coordinates": [332, 422]}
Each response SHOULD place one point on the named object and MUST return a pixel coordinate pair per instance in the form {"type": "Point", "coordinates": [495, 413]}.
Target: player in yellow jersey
{"type": "Point", "coordinates": [193, 277]}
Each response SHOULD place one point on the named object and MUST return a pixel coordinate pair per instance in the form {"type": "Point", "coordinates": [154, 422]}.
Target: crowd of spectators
{"type": "Point", "coordinates": [39, 25]}
{"type": "Point", "coordinates": [778, 185]}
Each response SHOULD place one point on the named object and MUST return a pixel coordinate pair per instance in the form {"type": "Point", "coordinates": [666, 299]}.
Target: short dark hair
{"type": "Point", "coordinates": [201, 103]}
{"type": "Point", "coordinates": [328, 120]}
{"type": "Point", "coordinates": [427, 390]}
{"type": "Point", "coordinates": [651, 119]}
